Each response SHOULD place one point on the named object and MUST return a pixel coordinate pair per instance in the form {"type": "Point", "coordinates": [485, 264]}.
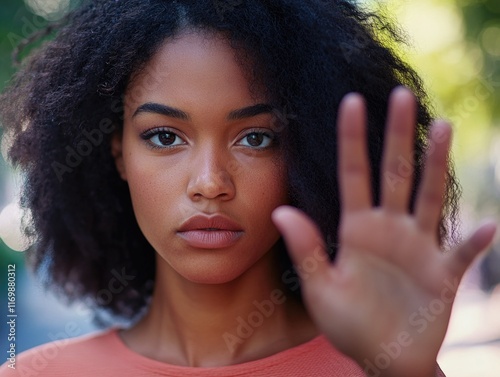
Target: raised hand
{"type": "Point", "coordinates": [387, 299]}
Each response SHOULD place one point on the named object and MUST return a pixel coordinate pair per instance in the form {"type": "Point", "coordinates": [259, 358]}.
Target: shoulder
{"type": "Point", "coordinates": [60, 357]}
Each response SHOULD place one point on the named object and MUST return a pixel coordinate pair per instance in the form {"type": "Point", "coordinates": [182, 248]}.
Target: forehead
{"type": "Point", "coordinates": [193, 65]}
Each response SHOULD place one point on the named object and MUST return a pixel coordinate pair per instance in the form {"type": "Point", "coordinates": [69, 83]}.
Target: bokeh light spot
{"type": "Point", "coordinates": [51, 10]}
{"type": "Point", "coordinates": [10, 228]}
{"type": "Point", "coordinates": [490, 39]}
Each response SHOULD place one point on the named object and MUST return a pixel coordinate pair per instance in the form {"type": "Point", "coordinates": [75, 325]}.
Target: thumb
{"type": "Point", "coordinates": [303, 240]}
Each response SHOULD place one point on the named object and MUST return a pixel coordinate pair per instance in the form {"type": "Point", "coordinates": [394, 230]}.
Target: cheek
{"type": "Point", "coordinates": [154, 189]}
{"type": "Point", "coordinates": [262, 191]}
{"type": "Point", "coordinates": [267, 190]}
{"type": "Point", "coordinates": [275, 184]}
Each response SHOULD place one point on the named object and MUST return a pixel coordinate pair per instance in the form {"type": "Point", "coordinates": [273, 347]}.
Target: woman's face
{"type": "Point", "coordinates": [196, 142]}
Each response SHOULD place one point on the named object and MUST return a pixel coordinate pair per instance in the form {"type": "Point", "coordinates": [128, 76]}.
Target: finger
{"type": "Point", "coordinates": [431, 192]}
{"type": "Point", "coordinates": [354, 171]}
{"type": "Point", "coordinates": [459, 260]}
{"type": "Point", "coordinates": [303, 240]}
{"type": "Point", "coordinates": [397, 164]}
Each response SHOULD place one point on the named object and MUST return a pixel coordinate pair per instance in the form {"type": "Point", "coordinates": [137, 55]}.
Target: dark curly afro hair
{"type": "Point", "coordinates": [60, 110]}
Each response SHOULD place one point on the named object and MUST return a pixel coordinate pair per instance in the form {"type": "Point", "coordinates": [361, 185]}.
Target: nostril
{"type": "Point", "coordinates": [211, 185]}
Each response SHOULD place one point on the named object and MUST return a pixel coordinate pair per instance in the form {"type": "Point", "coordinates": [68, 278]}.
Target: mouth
{"type": "Point", "coordinates": [210, 232]}
{"type": "Point", "coordinates": [210, 238]}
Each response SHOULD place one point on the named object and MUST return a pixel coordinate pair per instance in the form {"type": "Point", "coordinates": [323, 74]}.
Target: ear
{"type": "Point", "coordinates": [117, 153]}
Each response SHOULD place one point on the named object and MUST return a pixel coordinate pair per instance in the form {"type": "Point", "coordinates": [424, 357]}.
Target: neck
{"type": "Point", "coordinates": [207, 325]}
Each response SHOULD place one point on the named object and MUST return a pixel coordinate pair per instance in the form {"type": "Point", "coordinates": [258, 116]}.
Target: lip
{"type": "Point", "coordinates": [210, 232]}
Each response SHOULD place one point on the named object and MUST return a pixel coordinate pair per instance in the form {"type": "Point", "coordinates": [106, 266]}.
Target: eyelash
{"type": "Point", "coordinates": [269, 134]}
{"type": "Point", "coordinates": [149, 134]}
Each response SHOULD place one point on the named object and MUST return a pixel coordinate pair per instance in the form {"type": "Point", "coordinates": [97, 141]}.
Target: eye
{"type": "Point", "coordinates": [162, 138]}
{"type": "Point", "coordinates": [257, 139]}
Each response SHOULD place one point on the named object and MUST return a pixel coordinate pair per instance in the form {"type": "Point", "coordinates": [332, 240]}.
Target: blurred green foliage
{"type": "Point", "coordinates": [16, 22]}
{"type": "Point", "coordinates": [12, 14]}
{"type": "Point", "coordinates": [7, 257]}
{"type": "Point", "coordinates": [482, 20]}
{"type": "Point", "coordinates": [455, 47]}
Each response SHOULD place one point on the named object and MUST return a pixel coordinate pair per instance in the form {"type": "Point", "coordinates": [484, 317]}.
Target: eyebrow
{"type": "Point", "coordinates": [157, 108]}
{"type": "Point", "coordinates": [243, 113]}
{"type": "Point", "coordinates": [251, 111]}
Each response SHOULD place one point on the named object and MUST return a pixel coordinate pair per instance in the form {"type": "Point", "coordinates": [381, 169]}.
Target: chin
{"type": "Point", "coordinates": [208, 275]}
{"type": "Point", "coordinates": [209, 267]}
{"type": "Point", "coordinates": [202, 266]}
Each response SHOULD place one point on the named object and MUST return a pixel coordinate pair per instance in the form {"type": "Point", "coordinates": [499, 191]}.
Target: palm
{"type": "Point", "coordinates": [387, 299]}
{"type": "Point", "coordinates": [384, 292]}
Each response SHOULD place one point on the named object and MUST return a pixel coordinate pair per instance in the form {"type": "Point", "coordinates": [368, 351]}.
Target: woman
{"type": "Point", "coordinates": [166, 144]}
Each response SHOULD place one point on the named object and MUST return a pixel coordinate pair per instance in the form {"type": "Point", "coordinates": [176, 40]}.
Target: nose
{"type": "Point", "coordinates": [210, 177]}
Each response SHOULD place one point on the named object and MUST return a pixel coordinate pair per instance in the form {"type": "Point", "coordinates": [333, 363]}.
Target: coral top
{"type": "Point", "coordinates": [104, 354]}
